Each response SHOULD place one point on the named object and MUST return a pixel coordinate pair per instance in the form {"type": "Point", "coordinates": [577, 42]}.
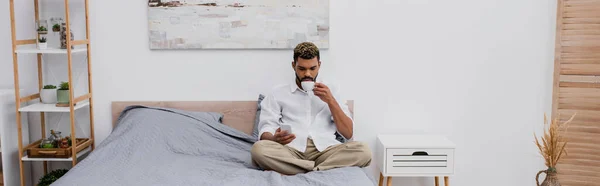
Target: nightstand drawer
{"type": "Point", "coordinates": [420, 161]}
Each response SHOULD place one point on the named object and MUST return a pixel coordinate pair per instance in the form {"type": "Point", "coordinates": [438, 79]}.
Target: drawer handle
{"type": "Point", "coordinates": [420, 153]}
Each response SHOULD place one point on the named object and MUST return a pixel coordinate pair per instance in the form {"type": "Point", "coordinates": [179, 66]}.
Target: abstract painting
{"type": "Point", "coordinates": [237, 24]}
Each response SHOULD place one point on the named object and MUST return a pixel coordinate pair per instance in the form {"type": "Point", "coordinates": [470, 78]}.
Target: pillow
{"type": "Point", "coordinates": [257, 118]}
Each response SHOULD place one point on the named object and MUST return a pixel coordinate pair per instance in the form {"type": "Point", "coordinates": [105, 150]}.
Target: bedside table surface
{"type": "Point", "coordinates": [415, 141]}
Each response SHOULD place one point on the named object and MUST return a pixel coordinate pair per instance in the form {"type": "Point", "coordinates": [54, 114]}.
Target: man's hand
{"type": "Point", "coordinates": [322, 91]}
{"type": "Point", "coordinates": [283, 137]}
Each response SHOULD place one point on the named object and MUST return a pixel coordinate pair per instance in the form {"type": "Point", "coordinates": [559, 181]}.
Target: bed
{"type": "Point", "coordinates": [189, 143]}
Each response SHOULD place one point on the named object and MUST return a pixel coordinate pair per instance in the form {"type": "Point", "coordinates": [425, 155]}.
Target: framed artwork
{"type": "Point", "coordinates": [237, 24]}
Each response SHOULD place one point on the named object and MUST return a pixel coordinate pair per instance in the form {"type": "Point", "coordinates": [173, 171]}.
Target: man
{"type": "Point", "coordinates": [314, 116]}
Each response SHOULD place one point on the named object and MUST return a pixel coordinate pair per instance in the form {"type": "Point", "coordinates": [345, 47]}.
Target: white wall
{"type": "Point", "coordinates": [25, 26]}
{"type": "Point", "coordinates": [28, 81]}
{"type": "Point", "coordinates": [479, 72]}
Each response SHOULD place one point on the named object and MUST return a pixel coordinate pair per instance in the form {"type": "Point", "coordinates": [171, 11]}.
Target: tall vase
{"type": "Point", "coordinates": [551, 178]}
{"type": "Point", "coordinates": [63, 36]}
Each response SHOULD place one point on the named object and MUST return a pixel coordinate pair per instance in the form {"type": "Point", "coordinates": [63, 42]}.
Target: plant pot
{"type": "Point", "coordinates": [551, 178]}
{"type": "Point", "coordinates": [62, 96]}
{"type": "Point", "coordinates": [42, 32]}
{"type": "Point", "coordinates": [42, 46]}
{"type": "Point", "coordinates": [48, 96]}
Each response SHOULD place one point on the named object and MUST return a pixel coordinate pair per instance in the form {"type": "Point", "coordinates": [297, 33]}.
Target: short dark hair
{"type": "Point", "coordinates": [306, 50]}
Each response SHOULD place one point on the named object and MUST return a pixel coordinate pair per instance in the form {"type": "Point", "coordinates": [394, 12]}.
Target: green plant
{"type": "Point", "coordinates": [64, 86]}
{"type": "Point", "coordinates": [42, 28]}
{"type": "Point", "coordinates": [51, 177]}
{"type": "Point", "coordinates": [49, 87]}
{"type": "Point", "coordinates": [42, 40]}
{"type": "Point", "coordinates": [56, 27]}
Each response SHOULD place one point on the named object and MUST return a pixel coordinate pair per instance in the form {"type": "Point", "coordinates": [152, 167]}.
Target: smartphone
{"type": "Point", "coordinates": [287, 128]}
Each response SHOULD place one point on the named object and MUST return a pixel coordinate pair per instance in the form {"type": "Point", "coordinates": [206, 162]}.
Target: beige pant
{"type": "Point", "coordinates": [271, 155]}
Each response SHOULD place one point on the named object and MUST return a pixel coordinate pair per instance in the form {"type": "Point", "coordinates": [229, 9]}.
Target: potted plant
{"type": "Point", "coordinates": [62, 94]}
{"type": "Point", "coordinates": [552, 148]}
{"type": "Point", "coordinates": [48, 94]}
{"type": "Point", "coordinates": [42, 45]}
{"type": "Point", "coordinates": [56, 27]}
{"type": "Point", "coordinates": [42, 30]}
{"type": "Point", "coordinates": [51, 177]}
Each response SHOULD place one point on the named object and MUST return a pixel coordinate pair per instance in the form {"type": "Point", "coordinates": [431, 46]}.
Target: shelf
{"type": "Point", "coordinates": [32, 50]}
{"type": "Point", "coordinates": [81, 153]}
{"type": "Point", "coordinates": [41, 107]}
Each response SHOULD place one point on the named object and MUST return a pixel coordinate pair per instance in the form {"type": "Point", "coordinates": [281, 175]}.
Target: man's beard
{"type": "Point", "coordinates": [306, 78]}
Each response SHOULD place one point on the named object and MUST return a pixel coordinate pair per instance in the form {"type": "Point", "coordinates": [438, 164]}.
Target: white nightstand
{"type": "Point", "coordinates": [414, 156]}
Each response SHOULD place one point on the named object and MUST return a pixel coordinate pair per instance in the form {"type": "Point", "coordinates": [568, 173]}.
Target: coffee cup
{"type": "Point", "coordinates": [308, 85]}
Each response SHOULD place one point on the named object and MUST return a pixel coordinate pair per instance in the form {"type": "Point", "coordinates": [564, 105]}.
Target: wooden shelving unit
{"type": "Point", "coordinates": [28, 46]}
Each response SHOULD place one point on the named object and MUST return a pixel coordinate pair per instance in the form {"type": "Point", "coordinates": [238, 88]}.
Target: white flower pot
{"type": "Point", "coordinates": [42, 46]}
{"type": "Point", "coordinates": [48, 96]}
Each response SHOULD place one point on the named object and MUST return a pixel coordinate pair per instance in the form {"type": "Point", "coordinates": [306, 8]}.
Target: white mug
{"type": "Point", "coordinates": [308, 85]}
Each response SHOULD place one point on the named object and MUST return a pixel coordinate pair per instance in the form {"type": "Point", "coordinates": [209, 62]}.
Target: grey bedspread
{"type": "Point", "coordinates": [158, 146]}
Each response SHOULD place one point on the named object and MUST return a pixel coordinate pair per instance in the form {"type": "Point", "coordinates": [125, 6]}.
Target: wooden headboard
{"type": "Point", "coordinates": [237, 114]}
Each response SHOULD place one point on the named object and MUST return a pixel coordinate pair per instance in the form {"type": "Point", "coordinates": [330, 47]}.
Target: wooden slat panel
{"type": "Point", "coordinates": [572, 154]}
{"type": "Point", "coordinates": [582, 115]}
{"type": "Point", "coordinates": [580, 85]}
{"type": "Point", "coordinates": [583, 79]}
{"type": "Point", "coordinates": [568, 166]}
{"type": "Point", "coordinates": [589, 38]}
{"type": "Point", "coordinates": [570, 9]}
{"type": "Point", "coordinates": [576, 137]}
{"type": "Point", "coordinates": [580, 55]}
{"type": "Point", "coordinates": [585, 130]}
{"type": "Point", "coordinates": [591, 93]}
{"type": "Point", "coordinates": [573, 182]}
{"type": "Point", "coordinates": [572, 3]}
{"type": "Point", "coordinates": [579, 99]}
{"type": "Point", "coordinates": [580, 69]}
{"type": "Point", "coordinates": [580, 61]}
{"type": "Point", "coordinates": [581, 32]}
{"type": "Point", "coordinates": [581, 104]}
{"type": "Point", "coordinates": [577, 89]}
{"type": "Point", "coordinates": [580, 172]}
{"type": "Point", "coordinates": [575, 172]}
{"type": "Point", "coordinates": [579, 180]}
{"type": "Point", "coordinates": [583, 123]}
{"type": "Point", "coordinates": [583, 163]}
{"type": "Point", "coordinates": [581, 26]}
{"type": "Point", "coordinates": [588, 169]}
{"type": "Point", "coordinates": [579, 43]}
{"type": "Point", "coordinates": [591, 20]}
{"type": "Point", "coordinates": [581, 49]}
{"type": "Point", "coordinates": [582, 14]}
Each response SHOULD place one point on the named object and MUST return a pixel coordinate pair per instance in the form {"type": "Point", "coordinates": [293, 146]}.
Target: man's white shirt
{"type": "Point", "coordinates": [308, 115]}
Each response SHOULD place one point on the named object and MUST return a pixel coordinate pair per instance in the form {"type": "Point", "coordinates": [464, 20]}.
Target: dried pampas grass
{"type": "Point", "coordinates": [553, 142]}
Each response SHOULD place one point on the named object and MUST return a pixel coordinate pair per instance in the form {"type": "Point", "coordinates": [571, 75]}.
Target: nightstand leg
{"type": "Point", "coordinates": [437, 181]}
{"type": "Point", "coordinates": [380, 179]}
{"type": "Point", "coordinates": [446, 182]}
{"type": "Point", "coordinates": [389, 181]}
